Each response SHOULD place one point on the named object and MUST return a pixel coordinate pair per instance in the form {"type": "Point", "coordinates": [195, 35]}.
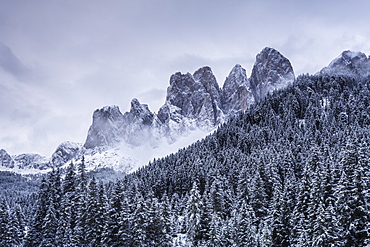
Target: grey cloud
{"type": "Point", "coordinates": [12, 64]}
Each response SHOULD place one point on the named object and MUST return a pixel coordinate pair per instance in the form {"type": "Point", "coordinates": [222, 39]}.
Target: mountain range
{"type": "Point", "coordinates": [195, 105]}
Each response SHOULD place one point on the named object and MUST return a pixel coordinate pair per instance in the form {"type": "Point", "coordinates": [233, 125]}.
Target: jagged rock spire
{"type": "Point", "coordinates": [271, 71]}
{"type": "Point", "coordinates": [236, 93]}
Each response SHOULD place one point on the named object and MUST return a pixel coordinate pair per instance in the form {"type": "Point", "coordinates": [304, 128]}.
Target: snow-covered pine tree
{"type": "Point", "coordinates": [35, 232]}
{"type": "Point", "coordinates": [5, 234]}
{"type": "Point", "coordinates": [111, 234]}
{"type": "Point", "coordinates": [193, 215]}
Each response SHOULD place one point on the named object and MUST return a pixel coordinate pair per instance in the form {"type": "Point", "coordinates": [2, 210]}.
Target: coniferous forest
{"type": "Point", "coordinates": [292, 170]}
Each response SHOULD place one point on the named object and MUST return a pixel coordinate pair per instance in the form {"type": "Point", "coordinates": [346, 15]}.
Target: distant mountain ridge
{"type": "Point", "coordinates": [194, 102]}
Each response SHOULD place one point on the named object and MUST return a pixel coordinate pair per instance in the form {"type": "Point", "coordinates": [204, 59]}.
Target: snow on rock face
{"type": "Point", "coordinates": [208, 80]}
{"type": "Point", "coordinates": [31, 163]}
{"type": "Point", "coordinates": [349, 63]}
{"type": "Point", "coordinates": [236, 93]}
{"type": "Point", "coordinates": [271, 71]}
{"type": "Point", "coordinates": [193, 102]}
{"type": "Point", "coordinates": [211, 112]}
{"type": "Point", "coordinates": [110, 127]}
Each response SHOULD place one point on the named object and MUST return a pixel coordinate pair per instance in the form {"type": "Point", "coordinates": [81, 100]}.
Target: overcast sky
{"type": "Point", "coordinates": [61, 60]}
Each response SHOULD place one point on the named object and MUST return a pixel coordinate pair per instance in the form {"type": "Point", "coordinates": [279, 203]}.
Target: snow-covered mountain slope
{"type": "Point", "coordinates": [195, 105]}
{"type": "Point", "coordinates": [23, 163]}
{"type": "Point", "coordinates": [35, 163]}
{"type": "Point", "coordinates": [349, 63]}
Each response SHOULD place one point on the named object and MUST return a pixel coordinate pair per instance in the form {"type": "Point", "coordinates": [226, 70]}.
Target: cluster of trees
{"type": "Point", "coordinates": [293, 170]}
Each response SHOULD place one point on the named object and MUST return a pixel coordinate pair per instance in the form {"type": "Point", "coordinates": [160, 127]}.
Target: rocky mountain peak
{"type": "Point", "coordinates": [271, 71]}
{"type": "Point", "coordinates": [5, 159]}
{"type": "Point", "coordinates": [237, 77]}
{"type": "Point", "coordinates": [105, 128]}
{"type": "Point", "coordinates": [64, 153]}
{"type": "Point", "coordinates": [111, 110]}
{"type": "Point", "coordinates": [194, 96]}
{"type": "Point", "coordinates": [353, 56]}
{"type": "Point", "coordinates": [193, 101]}
{"type": "Point", "coordinates": [139, 113]}
{"type": "Point", "coordinates": [236, 94]}
{"type": "Point", "coordinates": [349, 63]}
{"type": "Point", "coordinates": [206, 77]}
{"type": "Point", "coordinates": [33, 161]}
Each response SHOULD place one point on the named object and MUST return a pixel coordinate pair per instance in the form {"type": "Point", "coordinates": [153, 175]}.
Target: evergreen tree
{"type": "Point", "coordinates": [79, 236]}
{"type": "Point", "coordinates": [258, 196]}
{"type": "Point", "coordinates": [245, 227]}
{"type": "Point", "coordinates": [139, 236]}
{"type": "Point", "coordinates": [35, 232]}
{"type": "Point", "coordinates": [215, 231]}
{"type": "Point", "coordinates": [194, 212]}
{"type": "Point", "coordinates": [353, 216]}
{"type": "Point", "coordinates": [111, 234]}
{"type": "Point", "coordinates": [167, 218]}
{"type": "Point", "coordinates": [126, 221]}
{"type": "Point", "coordinates": [154, 225]}
{"type": "Point", "coordinates": [68, 214]}
{"type": "Point", "coordinates": [49, 238]}
{"type": "Point", "coordinates": [16, 226]}
{"type": "Point", "coordinates": [5, 234]}
{"type": "Point", "coordinates": [94, 213]}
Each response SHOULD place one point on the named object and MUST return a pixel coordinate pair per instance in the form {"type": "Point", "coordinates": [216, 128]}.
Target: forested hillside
{"type": "Point", "coordinates": [292, 170]}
